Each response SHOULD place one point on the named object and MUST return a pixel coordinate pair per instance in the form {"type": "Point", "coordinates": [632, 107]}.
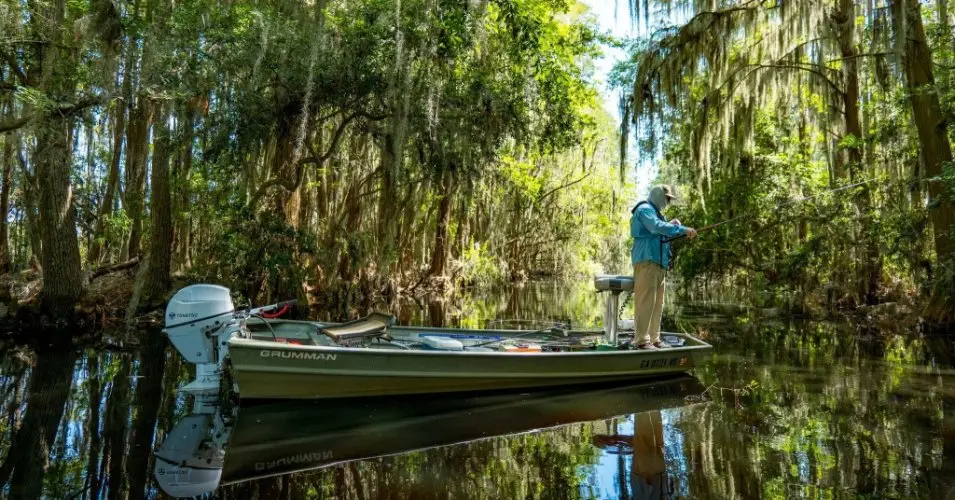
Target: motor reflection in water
{"type": "Point", "coordinates": [218, 445]}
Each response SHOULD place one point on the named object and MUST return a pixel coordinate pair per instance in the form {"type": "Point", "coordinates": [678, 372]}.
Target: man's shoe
{"type": "Point", "coordinates": [661, 345]}
{"type": "Point", "coordinates": [648, 346]}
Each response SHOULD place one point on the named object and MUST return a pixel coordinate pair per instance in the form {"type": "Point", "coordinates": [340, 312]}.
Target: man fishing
{"type": "Point", "coordinates": [651, 258]}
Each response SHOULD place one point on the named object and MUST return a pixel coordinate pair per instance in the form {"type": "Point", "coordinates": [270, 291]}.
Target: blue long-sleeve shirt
{"type": "Point", "coordinates": [649, 228]}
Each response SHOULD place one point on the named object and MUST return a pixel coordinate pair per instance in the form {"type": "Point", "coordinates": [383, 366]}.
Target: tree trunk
{"type": "Point", "coordinates": [282, 158]}
{"type": "Point", "coordinates": [112, 183]}
{"type": "Point", "coordinates": [439, 257]}
{"type": "Point", "coordinates": [160, 242]}
{"type": "Point", "coordinates": [871, 272]}
{"type": "Point", "coordinates": [437, 313]}
{"type": "Point", "coordinates": [54, 68]}
{"type": "Point", "coordinates": [386, 203]}
{"type": "Point", "coordinates": [405, 233]}
{"type": "Point", "coordinates": [117, 416]}
{"type": "Point", "coordinates": [5, 186]}
{"type": "Point", "coordinates": [183, 224]}
{"type": "Point", "coordinates": [167, 411]}
{"type": "Point", "coordinates": [92, 428]}
{"type": "Point", "coordinates": [149, 394]}
{"type": "Point", "coordinates": [32, 219]}
{"type": "Point", "coordinates": [392, 161]}
{"type": "Point", "coordinates": [346, 266]}
{"type": "Point", "coordinates": [48, 392]}
{"type": "Point", "coordinates": [137, 150]}
{"type": "Point", "coordinates": [943, 22]}
{"type": "Point", "coordinates": [932, 132]}
{"type": "Point", "coordinates": [60, 256]}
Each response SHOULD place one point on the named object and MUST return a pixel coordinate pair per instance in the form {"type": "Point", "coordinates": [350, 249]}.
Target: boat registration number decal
{"type": "Point", "coordinates": [660, 363]}
{"type": "Point", "coordinates": [314, 356]}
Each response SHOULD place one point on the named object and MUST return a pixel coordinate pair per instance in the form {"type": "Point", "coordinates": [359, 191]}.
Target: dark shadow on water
{"type": "Point", "coordinates": [789, 409]}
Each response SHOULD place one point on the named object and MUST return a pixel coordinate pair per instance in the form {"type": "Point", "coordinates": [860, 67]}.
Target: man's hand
{"type": "Point", "coordinates": [675, 222]}
{"type": "Point", "coordinates": [690, 233]}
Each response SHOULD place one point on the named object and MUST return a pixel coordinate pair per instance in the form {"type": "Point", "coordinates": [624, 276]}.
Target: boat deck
{"type": "Point", "coordinates": [307, 333]}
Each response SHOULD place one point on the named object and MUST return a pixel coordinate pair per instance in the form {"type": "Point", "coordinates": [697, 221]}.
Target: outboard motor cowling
{"type": "Point", "coordinates": [192, 315]}
{"type": "Point", "coordinates": [199, 321]}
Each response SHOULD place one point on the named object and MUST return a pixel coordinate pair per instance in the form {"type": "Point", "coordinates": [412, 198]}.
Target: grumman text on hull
{"type": "Point", "coordinates": [315, 356]}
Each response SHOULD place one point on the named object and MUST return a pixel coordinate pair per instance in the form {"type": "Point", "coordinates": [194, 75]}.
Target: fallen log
{"type": "Point", "coordinates": [115, 267]}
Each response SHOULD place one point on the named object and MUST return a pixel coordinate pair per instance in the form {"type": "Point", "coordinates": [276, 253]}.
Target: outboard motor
{"type": "Point", "coordinates": [199, 321]}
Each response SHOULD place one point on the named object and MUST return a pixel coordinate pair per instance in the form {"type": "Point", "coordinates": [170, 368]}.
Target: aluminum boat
{"type": "Point", "coordinates": [266, 358]}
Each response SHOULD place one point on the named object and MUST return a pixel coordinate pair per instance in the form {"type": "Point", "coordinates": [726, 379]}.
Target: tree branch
{"type": "Point", "coordinates": [131, 263]}
{"type": "Point", "coordinates": [747, 5]}
{"type": "Point", "coordinates": [558, 188]}
{"type": "Point", "coordinates": [299, 174]}
{"type": "Point", "coordinates": [14, 123]}
{"type": "Point", "coordinates": [794, 67]}
{"type": "Point", "coordinates": [15, 67]}
{"type": "Point", "coordinates": [336, 139]}
{"type": "Point", "coordinates": [64, 110]}
{"type": "Point", "coordinates": [870, 54]}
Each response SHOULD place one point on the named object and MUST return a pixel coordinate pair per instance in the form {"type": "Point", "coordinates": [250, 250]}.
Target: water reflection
{"type": "Point", "coordinates": [217, 445]}
{"type": "Point", "coordinates": [791, 410]}
{"type": "Point", "coordinates": [36, 422]}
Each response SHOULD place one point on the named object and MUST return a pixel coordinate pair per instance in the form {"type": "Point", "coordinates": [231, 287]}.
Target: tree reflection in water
{"type": "Point", "coordinates": [827, 415]}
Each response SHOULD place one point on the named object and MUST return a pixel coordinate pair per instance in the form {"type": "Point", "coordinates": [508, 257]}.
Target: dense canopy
{"type": "Point", "coordinates": [324, 151]}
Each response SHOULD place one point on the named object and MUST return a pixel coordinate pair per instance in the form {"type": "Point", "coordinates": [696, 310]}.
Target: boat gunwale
{"type": "Point", "coordinates": [247, 343]}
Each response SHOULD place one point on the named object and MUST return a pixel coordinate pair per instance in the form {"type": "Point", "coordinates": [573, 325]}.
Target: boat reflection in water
{"type": "Point", "coordinates": [218, 444]}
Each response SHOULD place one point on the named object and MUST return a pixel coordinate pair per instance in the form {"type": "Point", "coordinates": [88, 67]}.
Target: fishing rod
{"type": "Point", "coordinates": [777, 207]}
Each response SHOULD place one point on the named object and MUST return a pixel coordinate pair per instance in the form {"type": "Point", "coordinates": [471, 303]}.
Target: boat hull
{"type": "Point", "coordinates": [270, 370]}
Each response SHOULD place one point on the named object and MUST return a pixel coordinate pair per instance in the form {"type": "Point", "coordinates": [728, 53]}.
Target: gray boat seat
{"type": "Point", "coordinates": [352, 332]}
{"type": "Point", "coordinates": [615, 283]}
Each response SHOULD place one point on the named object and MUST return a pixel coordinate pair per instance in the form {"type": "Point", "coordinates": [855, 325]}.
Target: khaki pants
{"type": "Point", "coordinates": [648, 288]}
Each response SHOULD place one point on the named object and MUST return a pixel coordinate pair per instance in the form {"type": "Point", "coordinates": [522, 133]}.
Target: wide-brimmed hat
{"type": "Point", "coordinates": [668, 191]}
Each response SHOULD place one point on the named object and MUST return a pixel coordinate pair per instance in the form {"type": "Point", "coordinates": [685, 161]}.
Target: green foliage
{"type": "Point", "coordinates": [289, 113]}
{"type": "Point", "coordinates": [747, 106]}
{"type": "Point", "coordinates": [260, 255]}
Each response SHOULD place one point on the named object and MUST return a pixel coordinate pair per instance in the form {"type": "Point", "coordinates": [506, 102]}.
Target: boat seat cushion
{"type": "Point", "coordinates": [621, 283]}
{"type": "Point", "coordinates": [373, 324]}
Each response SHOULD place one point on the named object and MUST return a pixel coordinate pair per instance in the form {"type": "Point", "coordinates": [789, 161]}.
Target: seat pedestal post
{"type": "Point", "coordinates": [610, 317]}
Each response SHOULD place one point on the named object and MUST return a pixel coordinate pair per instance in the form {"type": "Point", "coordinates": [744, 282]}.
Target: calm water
{"type": "Point", "coordinates": [783, 410]}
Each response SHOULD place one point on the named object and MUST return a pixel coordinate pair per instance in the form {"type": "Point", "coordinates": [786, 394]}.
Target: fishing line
{"type": "Point", "coordinates": [777, 207]}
